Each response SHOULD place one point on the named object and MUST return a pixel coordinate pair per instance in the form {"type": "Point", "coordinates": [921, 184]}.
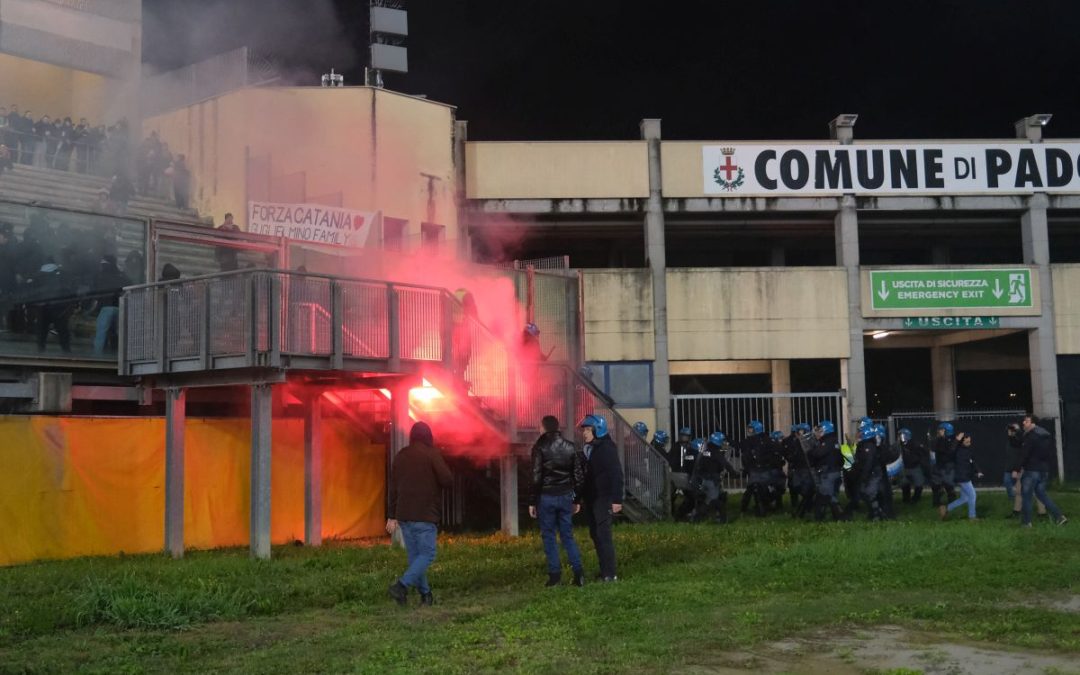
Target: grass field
{"type": "Point", "coordinates": [689, 596]}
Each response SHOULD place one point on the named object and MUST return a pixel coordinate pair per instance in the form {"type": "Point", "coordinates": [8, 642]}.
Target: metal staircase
{"type": "Point", "coordinates": [282, 326]}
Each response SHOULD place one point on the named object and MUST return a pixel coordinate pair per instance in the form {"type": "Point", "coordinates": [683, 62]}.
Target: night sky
{"type": "Point", "coordinates": [591, 69]}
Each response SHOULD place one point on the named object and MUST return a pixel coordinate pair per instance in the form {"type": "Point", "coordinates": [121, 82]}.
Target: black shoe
{"type": "Point", "coordinates": [553, 580]}
{"type": "Point", "coordinates": [608, 580]}
{"type": "Point", "coordinates": [427, 599]}
{"type": "Point", "coordinates": [398, 592]}
{"type": "Point", "coordinates": [579, 579]}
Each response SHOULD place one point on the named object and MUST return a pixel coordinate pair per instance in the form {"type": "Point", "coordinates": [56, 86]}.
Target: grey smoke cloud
{"type": "Point", "coordinates": [304, 36]}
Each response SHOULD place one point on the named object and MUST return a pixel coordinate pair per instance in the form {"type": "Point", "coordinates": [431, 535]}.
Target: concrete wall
{"type": "Point", "coordinates": [561, 170]}
{"type": "Point", "coordinates": [618, 315]}
{"type": "Point", "coordinates": [719, 314]}
{"type": "Point", "coordinates": [45, 89]}
{"type": "Point", "coordinates": [680, 163]}
{"type": "Point", "coordinates": [750, 313]}
{"type": "Point", "coordinates": [1066, 279]}
{"type": "Point", "coordinates": [371, 146]}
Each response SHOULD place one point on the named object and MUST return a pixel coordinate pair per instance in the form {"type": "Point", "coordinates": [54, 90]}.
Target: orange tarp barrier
{"type": "Point", "coordinates": [95, 486]}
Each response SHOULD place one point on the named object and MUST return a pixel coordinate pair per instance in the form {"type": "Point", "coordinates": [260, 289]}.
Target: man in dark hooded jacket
{"type": "Point", "coordinates": [418, 477]}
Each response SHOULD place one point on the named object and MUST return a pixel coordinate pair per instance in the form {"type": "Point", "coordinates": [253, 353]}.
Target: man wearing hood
{"type": "Point", "coordinates": [418, 477]}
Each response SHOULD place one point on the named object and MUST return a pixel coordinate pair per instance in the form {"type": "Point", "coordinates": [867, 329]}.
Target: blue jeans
{"type": "Point", "coordinates": [967, 496]}
{"type": "Point", "coordinates": [420, 545]}
{"type": "Point", "coordinates": [1010, 485]}
{"type": "Point", "coordinates": [1033, 484]}
{"type": "Point", "coordinates": [106, 324]}
{"type": "Point", "coordinates": [555, 513]}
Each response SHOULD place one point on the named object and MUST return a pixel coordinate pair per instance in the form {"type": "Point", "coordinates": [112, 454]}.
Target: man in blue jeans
{"type": "Point", "coordinates": [558, 476]}
{"type": "Point", "coordinates": [1036, 459]}
{"type": "Point", "coordinates": [418, 476]}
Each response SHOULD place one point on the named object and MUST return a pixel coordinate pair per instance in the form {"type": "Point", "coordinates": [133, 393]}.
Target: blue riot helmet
{"type": "Point", "coordinates": [697, 444]}
{"type": "Point", "coordinates": [598, 424]}
{"type": "Point", "coordinates": [642, 429]}
{"type": "Point", "coordinates": [795, 428]}
{"type": "Point", "coordinates": [756, 427]}
{"type": "Point", "coordinates": [904, 435]}
{"type": "Point", "coordinates": [866, 433]}
{"type": "Point", "coordinates": [717, 438]}
{"type": "Point", "coordinates": [827, 427]}
{"type": "Point", "coordinates": [879, 431]}
{"type": "Point", "coordinates": [532, 329]}
{"type": "Point", "coordinates": [586, 372]}
{"type": "Point", "coordinates": [660, 437]}
{"type": "Point", "coordinates": [777, 435]}
{"type": "Point", "coordinates": [685, 431]}
{"type": "Point", "coordinates": [948, 427]}
{"type": "Point", "coordinates": [865, 421]}
{"type": "Point", "coordinates": [805, 426]}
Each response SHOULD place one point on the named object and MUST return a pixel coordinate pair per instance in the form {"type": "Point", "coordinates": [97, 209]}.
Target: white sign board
{"type": "Point", "coordinates": [314, 223]}
{"type": "Point", "coordinates": [741, 170]}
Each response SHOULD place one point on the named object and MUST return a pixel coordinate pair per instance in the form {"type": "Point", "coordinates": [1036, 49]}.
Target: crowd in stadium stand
{"type": "Point", "coordinates": [65, 145]}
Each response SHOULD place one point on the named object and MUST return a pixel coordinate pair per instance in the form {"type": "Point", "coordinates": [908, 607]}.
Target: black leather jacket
{"type": "Point", "coordinates": [558, 468]}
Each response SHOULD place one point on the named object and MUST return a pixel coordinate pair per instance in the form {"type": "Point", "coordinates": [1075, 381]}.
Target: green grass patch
{"type": "Point", "coordinates": [687, 595]}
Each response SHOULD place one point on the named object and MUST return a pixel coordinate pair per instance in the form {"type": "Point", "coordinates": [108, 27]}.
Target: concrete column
{"type": "Point", "coordinates": [313, 471]}
{"type": "Point", "coordinates": [508, 495]}
{"type": "Point", "coordinates": [943, 376]}
{"type": "Point", "coordinates": [1042, 347]}
{"type": "Point", "coordinates": [175, 419]}
{"type": "Point", "coordinates": [847, 255]}
{"type": "Point", "coordinates": [261, 441]}
{"type": "Point", "coordinates": [461, 134]}
{"type": "Point", "coordinates": [781, 384]}
{"type": "Point", "coordinates": [655, 252]}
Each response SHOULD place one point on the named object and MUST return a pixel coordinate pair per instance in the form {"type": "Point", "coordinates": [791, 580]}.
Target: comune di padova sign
{"type": "Point", "coordinates": [745, 170]}
{"type": "Point", "coordinates": [951, 289]}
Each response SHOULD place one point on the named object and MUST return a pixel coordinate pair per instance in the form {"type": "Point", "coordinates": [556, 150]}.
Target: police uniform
{"type": "Point", "coordinates": [706, 481]}
{"type": "Point", "coordinates": [916, 463]}
{"type": "Point", "coordinates": [942, 476]}
{"type": "Point", "coordinates": [826, 461]}
{"type": "Point", "coordinates": [800, 479]}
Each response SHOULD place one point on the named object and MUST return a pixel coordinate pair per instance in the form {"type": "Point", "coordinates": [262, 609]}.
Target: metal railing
{"type": "Point", "coordinates": [731, 413]}
{"type": "Point", "coordinates": [276, 318]}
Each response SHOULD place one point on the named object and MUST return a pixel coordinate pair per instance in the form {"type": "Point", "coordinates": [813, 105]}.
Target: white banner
{"type": "Point", "coordinates": [740, 170]}
{"type": "Point", "coordinates": [312, 223]}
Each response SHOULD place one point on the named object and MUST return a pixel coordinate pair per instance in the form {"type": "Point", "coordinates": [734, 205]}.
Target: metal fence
{"type": "Point", "coordinates": [732, 413]}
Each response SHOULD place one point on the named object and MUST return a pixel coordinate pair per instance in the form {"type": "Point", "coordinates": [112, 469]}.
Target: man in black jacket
{"type": "Point", "coordinates": [942, 480]}
{"type": "Point", "coordinates": [418, 477]}
{"type": "Point", "coordinates": [1034, 472]}
{"type": "Point", "coordinates": [603, 490]}
{"type": "Point", "coordinates": [558, 479]}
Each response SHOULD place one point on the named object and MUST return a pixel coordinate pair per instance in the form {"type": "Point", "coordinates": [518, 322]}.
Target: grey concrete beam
{"type": "Point", "coordinates": [749, 204]}
{"type": "Point", "coordinates": [175, 421]}
{"type": "Point", "coordinates": [508, 495]}
{"type": "Point", "coordinates": [943, 378]}
{"type": "Point", "coordinates": [656, 255]}
{"type": "Point", "coordinates": [546, 206]}
{"type": "Point", "coordinates": [313, 470]}
{"type": "Point", "coordinates": [1042, 348]}
{"type": "Point", "coordinates": [261, 444]}
{"type": "Point", "coordinates": [1014, 203]}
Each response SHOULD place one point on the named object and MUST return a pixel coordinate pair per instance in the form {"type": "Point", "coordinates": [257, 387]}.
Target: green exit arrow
{"type": "Point", "coordinates": [952, 322]}
{"type": "Point", "coordinates": [951, 288]}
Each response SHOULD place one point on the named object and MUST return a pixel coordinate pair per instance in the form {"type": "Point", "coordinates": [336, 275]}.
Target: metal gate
{"type": "Point", "coordinates": [731, 413]}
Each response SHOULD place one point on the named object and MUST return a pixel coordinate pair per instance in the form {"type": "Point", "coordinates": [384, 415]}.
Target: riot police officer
{"type": "Point", "coordinates": [825, 461]}
{"type": "Point", "coordinates": [754, 450]}
{"type": "Point", "coordinates": [942, 476]}
{"type": "Point", "coordinates": [864, 473]}
{"type": "Point", "coordinates": [711, 464]}
{"type": "Point", "coordinates": [887, 454]}
{"type": "Point", "coordinates": [800, 479]}
{"type": "Point", "coordinates": [682, 457]}
{"type": "Point", "coordinates": [776, 484]}
{"type": "Point", "coordinates": [916, 459]}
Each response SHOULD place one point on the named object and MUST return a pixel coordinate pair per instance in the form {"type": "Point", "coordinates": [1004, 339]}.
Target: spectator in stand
{"type": "Point", "coordinates": [80, 138]}
{"type": "Point", "coordinates": [161, 170]}
{"type": "Point", "coordinates": [226, 255]}
{"type": "Point", "coordinates": [66, 132]}
{"type": "Point", "coordinates": [95, 149]}
{"type": "Point", "coordinates": [110, 280]}
{"type": "Point", "coordinates": [27, 142]}
{"type": "Point", "coordinates": [46, 141]}
{"type": "Point", "coordinates": [181, 180]}
{"type": "Point", "coordinates": [5, 130]}
{"type": "Point", "coordinates": [120, 192]}
{"type": "Point", "coordinates": [146, 164]}
{"type": "Point", "coordinates": [51, 298]}
{"type": "Point", "coordinates": [5, 158]}
{"type": "Point", "coordinates": [20, 143]}
{"type": "Point", "coordinates": [169, 272]}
